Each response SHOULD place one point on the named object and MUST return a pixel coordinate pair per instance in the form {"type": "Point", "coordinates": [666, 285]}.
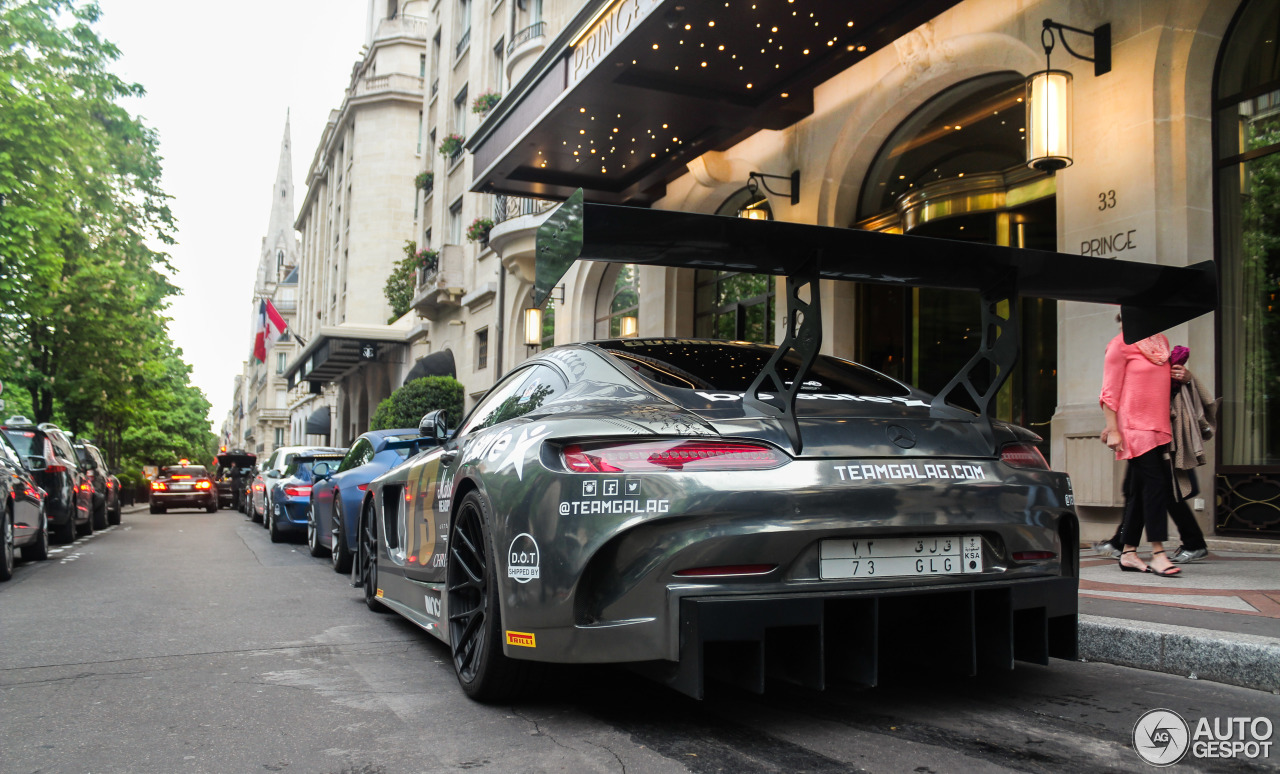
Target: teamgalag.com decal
{"type": "Point", "coordinates": [1162, 737]}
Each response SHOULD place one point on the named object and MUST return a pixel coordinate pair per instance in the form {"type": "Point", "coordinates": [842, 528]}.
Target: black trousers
{"type": "Point", "coordinates": [1147, 503]}
{"type": "Point", "coordinates": [1188, 528]}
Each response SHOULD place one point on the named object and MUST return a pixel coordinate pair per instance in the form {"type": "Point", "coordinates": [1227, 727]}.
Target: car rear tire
{"type": "Point", "coordinates": [273, 527]}
{"type": "Point", "coordinates": [339, 554]}
{"type": "Point", "coordinates": [113, 516]}
{"type": "Point", "coordinates": [157, 508]}
{"type": "Point", "coordinates": [66, 533]}
{"type": "Point", "coordinates": [7, 558]}
{"type": "Point", "coordinates": [100, 517]}
{"type": "Point", "coordinates": [367, 551]}
{"type": "Point", "coordinates": [313, 535]}
{"type": "Point", "coordinates": [211, 507]}
{"type": "Point", "coordinates": [38, 549]}
{"type": "Point", "coordinates": [485, 673]}
{"type": "Point", "coordinates": [86, 528]}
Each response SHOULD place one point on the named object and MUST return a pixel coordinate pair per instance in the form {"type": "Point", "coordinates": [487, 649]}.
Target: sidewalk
{"type": "Point", "coordinates": [1219, 621]}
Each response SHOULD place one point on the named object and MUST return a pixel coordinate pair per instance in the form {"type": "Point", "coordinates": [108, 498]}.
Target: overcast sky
{"type": "Point", "coordinates": [219, 78]}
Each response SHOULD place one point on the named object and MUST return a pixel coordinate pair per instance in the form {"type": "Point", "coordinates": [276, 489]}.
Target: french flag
{"type": "Point", "coordinates": [270, 328]}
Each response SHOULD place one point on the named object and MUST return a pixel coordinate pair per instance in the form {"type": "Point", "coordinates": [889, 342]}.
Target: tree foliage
{"type": "Point", "coordinates": [82, 291]}
{"type": "Point", "coordinates": [406, 406]}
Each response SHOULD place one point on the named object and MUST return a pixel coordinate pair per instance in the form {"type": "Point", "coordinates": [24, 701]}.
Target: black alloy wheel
{"type": "Point", "coordinates": [113, 516]}
{"type": "Point", "coordinates": [7, 559]}
{"type": "Point", "coordinates": [367, 568]}
{"type": "Point", "coordinates": [100, 516]}
{"type": "Point", "coordinates": [87, 527]}
{"type": "Point", "coordinates": [313, 534]}
{"type": "Point", "coordinates": [339, 554]}
{"type": "Point", "coordinates": [485, 673]}
{"type": "Point", "coordinates": [67, 532]}
{"type": "Point", "coordinates": [38, 549]}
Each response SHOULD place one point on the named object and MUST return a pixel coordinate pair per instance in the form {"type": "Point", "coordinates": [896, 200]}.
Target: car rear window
{"type": "Point", "coordinates": [194, 471]}
{"type": "Point", "coordinates": [732, 367]}
{"type": "Point", "coordinates": [24, 441]}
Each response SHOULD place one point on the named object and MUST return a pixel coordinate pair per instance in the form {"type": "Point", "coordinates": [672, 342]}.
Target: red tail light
{"type": "Point", "coordinates": [671, 455]}
{"type": "Point", "coordinates": [176, 478]}
{"type": "Point", "coordinates": [297, 491]}
{"type": "Point", "coordinates": [204, 484]}
{"type": "Point", "coordinates": [1023, 455]}
{"type": "Point", "coordinates": [158, 486]}
{"type": "Point", "coordinates": [1032, 556]}
{"type": "Point", "coordinates": [362, 487]}
{"type": "Point", "coordinates": [56, 468]}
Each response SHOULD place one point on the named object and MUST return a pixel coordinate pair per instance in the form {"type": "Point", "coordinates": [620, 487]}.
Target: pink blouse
{"type": "Point", "coordinates": [1138, 391]}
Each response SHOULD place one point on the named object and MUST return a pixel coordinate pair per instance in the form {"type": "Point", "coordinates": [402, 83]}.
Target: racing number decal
{"type": "Point", "coordinates": [421, 511]}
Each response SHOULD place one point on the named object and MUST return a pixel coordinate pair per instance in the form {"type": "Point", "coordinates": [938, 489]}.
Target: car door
{"type": "Point", "coordinates": [26, 496]}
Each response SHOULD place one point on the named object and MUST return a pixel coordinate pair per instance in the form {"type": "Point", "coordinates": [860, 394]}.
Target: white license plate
{"type": "Point", "coordinates": [181, 488]}
{"type": "Point", "coordinates": [897, 557]}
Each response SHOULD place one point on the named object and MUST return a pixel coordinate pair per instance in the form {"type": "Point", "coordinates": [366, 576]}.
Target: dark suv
{"type": "Point", "coordinates": [50, 456]}
{"type": "Point", "coordinates": [233, 474]}
{"type": "Point", "coordinates": [106, 489]}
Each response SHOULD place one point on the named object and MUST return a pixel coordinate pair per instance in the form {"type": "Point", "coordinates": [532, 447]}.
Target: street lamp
{"type": "Point", "coordinates": [1048, 100]}
{"type": "Point", "coordinates": [533, 318]}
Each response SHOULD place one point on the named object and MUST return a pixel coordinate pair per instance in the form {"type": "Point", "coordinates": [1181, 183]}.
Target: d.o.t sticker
{"type": "Point", "coordinates": [524, 559]}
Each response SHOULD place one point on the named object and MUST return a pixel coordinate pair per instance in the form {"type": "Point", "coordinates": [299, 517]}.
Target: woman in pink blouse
{"type": "Point", "coordinates": [1135, 402]}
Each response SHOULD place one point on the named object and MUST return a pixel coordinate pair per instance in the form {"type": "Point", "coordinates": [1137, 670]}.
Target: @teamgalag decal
{"type": "Point", "coordinates": [1161, 737]}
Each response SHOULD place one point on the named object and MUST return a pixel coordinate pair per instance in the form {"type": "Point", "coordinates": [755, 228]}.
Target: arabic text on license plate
{"type": "Point", "coordinates": [894, 557]}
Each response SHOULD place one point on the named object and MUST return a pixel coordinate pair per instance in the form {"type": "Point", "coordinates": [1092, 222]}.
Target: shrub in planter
{"type": "Point", "coordinates": [424, 181]}
{"type": "Point", "coordinates": [479, 230]}
{"type": "Point", "coordinates": [427, 259]}
{"type": "Point", "coordinates": [407, 405]}
{"type": "Point", "coordinates": [451, 144]}
{"type": "Point", "coordinates": [485, 102]}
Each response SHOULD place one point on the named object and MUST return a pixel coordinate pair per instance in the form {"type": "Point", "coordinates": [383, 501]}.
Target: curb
{"type": "Point", "coordinates": [1200, 654]}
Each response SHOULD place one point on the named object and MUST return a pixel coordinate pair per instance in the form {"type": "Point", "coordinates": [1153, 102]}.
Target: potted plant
{"type": "Point", "coordinates": [485, 102]}
{"type": "Point", "coordinates": [451, 144]}
{"type": "Point", "coordinates": [427, 259]}
{"type": "Point", "coordinates": [479, 230]}
{"type": "Point", "coordinates": [424, 180]}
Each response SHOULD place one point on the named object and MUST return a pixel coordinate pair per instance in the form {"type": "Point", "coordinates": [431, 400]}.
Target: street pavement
{"type": "Point", "coordinates": [1219, 621]}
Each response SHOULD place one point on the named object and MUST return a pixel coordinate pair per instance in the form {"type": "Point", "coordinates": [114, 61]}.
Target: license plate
{"type": "Point", "coordinates": [181, 488]}
{"type": "Point", "coordinates": [898, 557]}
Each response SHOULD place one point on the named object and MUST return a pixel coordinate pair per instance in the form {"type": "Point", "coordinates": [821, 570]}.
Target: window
{"type": "Point", "coordinates": [548, 325]}
{"type": "Point", "coordinates": [419, 133]}
{"type": "Point", "coordinates": [279, 436]}
{"type": "Point", "coordinates": [360, 453]}
{"type": "Point", "coordinates": [459, 124]}
{"type": "Point", "coordinates": [280, 362]}
{"type": "Point", "coordinates": [499, 58]}
{"type": "Point", "coordinates": [422, 65]}
{"type": "Point", "coordinates": [618, 302]}
{"type": "Point", "coordinates": [731, 305]}
{"type": "Point", "coordinates": [455, 224]}
{"type": "Point", "coordinates": [523, 391]}
{"type": "Point", "coordinates": [482, 349]}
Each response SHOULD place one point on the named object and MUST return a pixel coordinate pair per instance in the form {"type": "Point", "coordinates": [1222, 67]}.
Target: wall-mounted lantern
{"type": "Point", "coordinates": [1048, 100]}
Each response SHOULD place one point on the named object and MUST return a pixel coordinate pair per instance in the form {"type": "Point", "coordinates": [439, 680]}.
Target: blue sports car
{"type": "Point", "coordinates": [336, 493]}
{"type": "Point", "coordinates": [291, 497]}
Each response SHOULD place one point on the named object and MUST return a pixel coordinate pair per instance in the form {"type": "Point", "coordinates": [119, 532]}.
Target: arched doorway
{"type": "Point", "coordinates": [1247, 131]}
{"type": "Point", "coordinates": [617, 313]}
{"type": "Point", "coordinates": [955, 169]}
{"type": "Point", "coordinates": [729, 304]}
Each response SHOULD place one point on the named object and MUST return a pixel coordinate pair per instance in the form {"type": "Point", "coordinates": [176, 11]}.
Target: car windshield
{"type": "Point", "coordinates": [24, 441]}
{"type": "Point", "coordinates": [404, 450]}
{"type": "Point", "coordinates": [732, 367]}
{"type": "Point", "coordinates": [193, 471]}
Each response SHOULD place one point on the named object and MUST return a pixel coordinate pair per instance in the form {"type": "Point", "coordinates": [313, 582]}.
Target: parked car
{"type": "Point", "coordinates": [618, 502]}
{"type": "Point", "coordinates": [106, 496]}
{"type": "Point", "coordinates": [336, 495]}
{"type": "Point", "coordinates": [183, 486]}
{"type": "Point", "coordinates": [287, 512]}
{"type": "Point", "coordinates": [23, 515]}
{"type": "Point", "coordinates": [268, 476]}
{"type": "Point", "coordinates": [234, 469]}
{"type": "Point", "coordinates": [49, 454]}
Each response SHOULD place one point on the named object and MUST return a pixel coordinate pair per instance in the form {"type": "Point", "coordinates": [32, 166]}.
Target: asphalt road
{"type": "Point", "coordinates": [188, 642]}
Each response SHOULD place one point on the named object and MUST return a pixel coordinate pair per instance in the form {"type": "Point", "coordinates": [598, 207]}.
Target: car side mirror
{"type": "Point", "coordinates": [320, 470]}
{"type": "Point", "coordinates": [37, 462]}
{"type": "Point", "coordinates": [434, 426]}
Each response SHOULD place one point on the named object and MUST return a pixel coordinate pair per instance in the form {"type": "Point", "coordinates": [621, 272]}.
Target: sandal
{"type": "Point", "coordinates": [1168, 572]}
{"type": "Point", "coordinates": [1128, 568]}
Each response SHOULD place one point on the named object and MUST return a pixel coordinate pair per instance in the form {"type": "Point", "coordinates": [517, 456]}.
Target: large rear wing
{"type": "Point", "coordinates": [1152, 297]}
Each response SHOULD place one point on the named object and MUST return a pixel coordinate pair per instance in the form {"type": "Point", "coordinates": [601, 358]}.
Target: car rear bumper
{"type": "Point", "coordinates": [184, 499]}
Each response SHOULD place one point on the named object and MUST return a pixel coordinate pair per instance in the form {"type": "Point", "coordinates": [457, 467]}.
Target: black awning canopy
{"type": "Point", "coordinates": [645, 86]}
{"type": "Point", "coordinates": [318, 422]}
{"type": "Point", "coordinates": [436, 364]}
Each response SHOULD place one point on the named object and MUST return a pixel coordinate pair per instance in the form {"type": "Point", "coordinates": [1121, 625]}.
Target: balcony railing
{"type": "Point", "coordinates": [455, 157]}
{"type": "Point", "coordinates": [508, 207]}
{"type": "Point", "coordinates": [404, 24]}
{"type": "Point", "coordinates": [463, 42]}
{"type": "Point", "coordinates": [527, 34]}
{"type": "Point", "coordinates": [390, 82]}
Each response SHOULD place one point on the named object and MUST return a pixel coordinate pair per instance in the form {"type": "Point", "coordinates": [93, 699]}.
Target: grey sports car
{"type": "Point", "coordinates": [710, 509]}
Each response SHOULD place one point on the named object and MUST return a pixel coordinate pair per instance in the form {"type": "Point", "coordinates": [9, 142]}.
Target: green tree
{"type": "Point", "coordinates": [407, 405]}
